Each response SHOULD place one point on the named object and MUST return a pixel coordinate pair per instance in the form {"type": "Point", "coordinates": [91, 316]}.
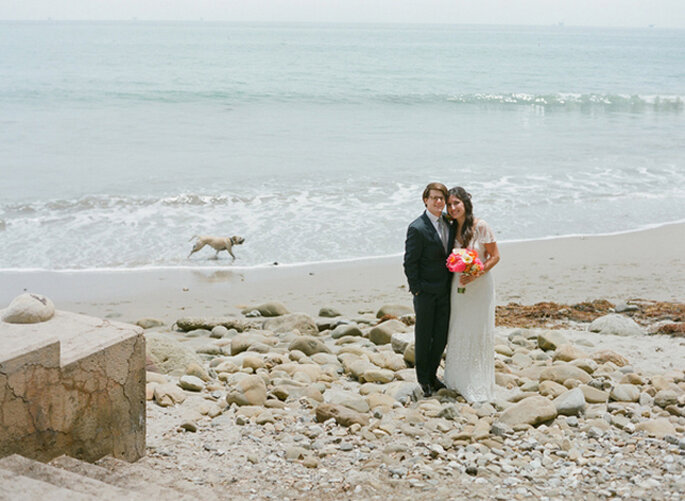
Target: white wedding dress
{"type": "Point", "coordinates": [470, 359]}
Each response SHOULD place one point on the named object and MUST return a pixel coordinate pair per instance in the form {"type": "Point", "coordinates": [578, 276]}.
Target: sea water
{"type": "Point", "coordinates": [121, 140]}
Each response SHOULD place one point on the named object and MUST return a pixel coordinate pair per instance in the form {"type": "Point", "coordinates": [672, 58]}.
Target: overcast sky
{"type": "Point", "coordinates": [661, 13]}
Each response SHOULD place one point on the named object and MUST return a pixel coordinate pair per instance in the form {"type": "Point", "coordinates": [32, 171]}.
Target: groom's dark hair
{"type": "Point", "coordinates": [434, 186]}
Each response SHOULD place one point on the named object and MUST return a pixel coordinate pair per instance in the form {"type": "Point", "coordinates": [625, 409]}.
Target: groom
{"type": "Point", "coordinates": [427, 246]}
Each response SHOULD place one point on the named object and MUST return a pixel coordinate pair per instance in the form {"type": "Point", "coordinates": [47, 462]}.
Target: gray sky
{"type": "Point", "coordinates": [661, 13]}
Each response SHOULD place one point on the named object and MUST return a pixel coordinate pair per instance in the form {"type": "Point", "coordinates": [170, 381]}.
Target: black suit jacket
{"type": "Point", "coordinates": [425, 259]}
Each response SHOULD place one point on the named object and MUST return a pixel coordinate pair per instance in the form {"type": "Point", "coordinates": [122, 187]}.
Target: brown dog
{"type": "Point", "coordinates": [217, 243]}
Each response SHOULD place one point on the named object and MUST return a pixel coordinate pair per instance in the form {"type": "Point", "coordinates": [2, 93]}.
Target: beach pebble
{"type": "Point", "coordinates": [570, 403]}
{"type": "Point", "coordinates": [191, 383]}
{"type": "Point", "coordinates": [551, 340]}
{"type": "Point", "coordinates": [149, 323]}
{"type": "Point", "coordinates": [532, 410]}
{"type": "Point", "coordinates": [308, 345]}
{"type": "Point", "coordinates": [618, 325]}
{"type": "Point", "coordinates": [290, 322]}
{"type": "Point", "coordinates": [394, 310]}
{"type": "Point", "coordinates": [251, 390]}
{"type": "Point", "coordinates": [168, 394]}
{"type": "Point", "coordinates": [659, 427]}
{"type": "Point", "coordinates": [346, 330]}
{"type": "Point", "coordinates": [341, 414]}
{"type": "Point", "coordinates": [167, 354]}
{"type": "Point", "coordinates": [625, 393]}
{"type": "Point", "coordinates": [270, 309]}
{"type": "Point", "coordinates": [604, 356]}
{"type": "Point", "coordinates": [29, 308]}
{"type": "Point", "coordinates": [401, 340]}
{"type": "Point", "coordinates": [382, 333]}
{"type": "Point", "coordinates": [219, 331]}
{"type": "Point", "coordinates": [562, 372]}
{"type": "Point", "coordinates": [329, 312]}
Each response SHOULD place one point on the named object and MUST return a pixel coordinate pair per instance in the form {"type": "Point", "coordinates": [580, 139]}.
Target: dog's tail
{"type": "Point", "coordinates": [192, 238]}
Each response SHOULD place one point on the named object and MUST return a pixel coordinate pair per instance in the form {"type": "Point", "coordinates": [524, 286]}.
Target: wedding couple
{"type": "Point", "coordinates": [465, 322]}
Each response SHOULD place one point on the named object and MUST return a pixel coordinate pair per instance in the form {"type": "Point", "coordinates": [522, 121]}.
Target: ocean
{"type": "Point", "coordinates": [121, 140]}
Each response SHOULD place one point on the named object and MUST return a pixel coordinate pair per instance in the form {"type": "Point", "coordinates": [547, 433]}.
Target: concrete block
{"type": "Point", "coordinates": [72, 385]}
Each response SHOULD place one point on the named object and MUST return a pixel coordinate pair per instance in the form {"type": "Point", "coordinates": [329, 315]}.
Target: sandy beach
{"type": "Point", "coordinates": [646, 264]}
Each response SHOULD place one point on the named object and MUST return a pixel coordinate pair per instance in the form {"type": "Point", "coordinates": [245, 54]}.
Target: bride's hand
{"type": "Point", "coordinates": [467, 279]}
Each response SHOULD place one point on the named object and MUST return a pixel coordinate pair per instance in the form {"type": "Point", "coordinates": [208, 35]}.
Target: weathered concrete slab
{"type": "Point", "coordinates": [72, 385]}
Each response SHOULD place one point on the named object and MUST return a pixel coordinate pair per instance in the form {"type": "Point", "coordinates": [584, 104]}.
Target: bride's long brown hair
{"type": "Point", "coordinates": [466, 233]}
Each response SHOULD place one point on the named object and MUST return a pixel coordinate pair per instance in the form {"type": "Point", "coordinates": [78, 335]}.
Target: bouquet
{"type": "Point", "coordinates": [464, 261]}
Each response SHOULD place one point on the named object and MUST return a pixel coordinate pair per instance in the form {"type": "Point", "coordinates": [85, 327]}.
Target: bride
{"type": "Point", "coordinates": [470, 359]}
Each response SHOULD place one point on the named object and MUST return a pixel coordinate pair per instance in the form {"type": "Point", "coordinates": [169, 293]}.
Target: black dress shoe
{"type": "Point", "coordinates": [437, 385]}
{"type": "Point", "coordinates": [426, 388]}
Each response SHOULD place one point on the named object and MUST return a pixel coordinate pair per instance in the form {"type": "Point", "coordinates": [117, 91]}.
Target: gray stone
{"type": "Point", "coordinates": [218, 332]}
{"type": "Point", "coordinates": [250, 390]}
{"type": "Point", "coordinates": [308, 345]}
{"type": "Point", "coordinates": [404, 391]}
{"type": "Point", "coordinates": [664, 398]}
{"type": "Point", "coordinates": [329, 312]}
{"type": "Point", "coordinates": [625, 393]}
{"type": "Point", "coordinates": [615, 324]}
{"type": "Point", "coordinates": [191, 383]}
{"type": "Point", "coordinates": [29, 308]}
{"type": "Point", "coordinates": [394, 310]}
{"type": "Point", "coordinates": [270, 309]}
{"type": "Point", "coordinates": [346, 330]}
{"type": "Point", "coordinates": [348, 399]}
{"type": "Point", "coordinates": [382, 333]}
{"type": "Point", "coordinates": [149, 323]}
{"type": "Point", "coordinates": [400, 341]}
{"type": "Point", "coordinates": [302, 322]}
{"type": "Point", "coordinates": [166, 354]}
{"type": "Point", "coordinates": [532, 410]}
{"type": "Point", "coordinates": [191, 323]}
{"type": "Point", "coordinates": [564, 371]}
{"type": "Point", "coordinates": [551, 340]}
{"type": "Point", "coordinates": [570, 403]}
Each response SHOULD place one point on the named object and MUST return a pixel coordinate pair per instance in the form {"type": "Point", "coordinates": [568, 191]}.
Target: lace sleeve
{"type": "Point", "coordinates": [485, 233]}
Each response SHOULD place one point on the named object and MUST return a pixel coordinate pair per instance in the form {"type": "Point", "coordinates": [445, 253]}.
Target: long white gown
{"type": "Point", "coordinates": [470, 359]}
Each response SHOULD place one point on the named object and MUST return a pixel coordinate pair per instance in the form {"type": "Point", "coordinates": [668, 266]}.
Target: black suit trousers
{"type": "Point", "coordinates": [430, 333]}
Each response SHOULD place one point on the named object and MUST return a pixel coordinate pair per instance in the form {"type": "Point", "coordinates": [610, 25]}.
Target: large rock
{"type": "Point", "coordinates": [270, 309]}
{"type": "Point", "coordinates": [308, 345]}
{"type": "Point", "coordinates": [616, 324]}
{"type": "Point", "coordinates": [348, 399]}
{"type": "Point", "coordinates": [401, 340]}
{"type": "Point", "coordinates": [625, 393]}
{"type": "Point", "coordinates": [593, 395]}
{"type": "Point", "coordinates": [567, 353]}
{"type": "Point", "coordinates": [168, 394]}
{"type": "Point", "coordinates": [192, 323]}
{"type": "Point", "coordinates": [29, 308]}
{"type": "Point", "coordinates": [570, 403]}
{"type": "Point", "coordinates": [562, 372]}
{"type": "Point", "coordinates": [604, 356]}
{"type": "Point", "coordinates": [404, 391]}
{"type": "Point", "coordinates": [243, 342]}
{"type": "Point", "coordinates": [659, 427]}
{"type": "Point", "coordinates": [343, 330]}
{"type": "Point", "coordinates": [388, 360]}
{"type": "Point", "coordinates": [532, 410]}
{"type": "Point", "coordinates": [167, 354]}
{"type": "Point", "coordinates": [302, 322]}
{"type": "Point", "coordinates": [551, 340]}
{"type": "Point", "coordinates": [664, 398]}
{"type": "Point", "coordinates": [382, 334]}
{"type": "Point", "coordinates": [329, 312]}
{"type": "Point", "coordinates": [342, 415]}
{"type": "Point", "coordinates": [250, 390]}
{"type": "Point", "coordinates": [394, 310]}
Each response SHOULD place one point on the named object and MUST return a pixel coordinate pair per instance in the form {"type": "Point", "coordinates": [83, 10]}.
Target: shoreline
{"type": "Point", "coordinates": [568, 269]}
{"type": "Point", "coordinates": [332, 262]}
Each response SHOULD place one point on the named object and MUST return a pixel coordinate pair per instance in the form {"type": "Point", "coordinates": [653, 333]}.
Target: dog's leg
{"type": "Point", "coordinates": [196, 248]}
{"type": "Point", "coordinates": [228, 249]}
